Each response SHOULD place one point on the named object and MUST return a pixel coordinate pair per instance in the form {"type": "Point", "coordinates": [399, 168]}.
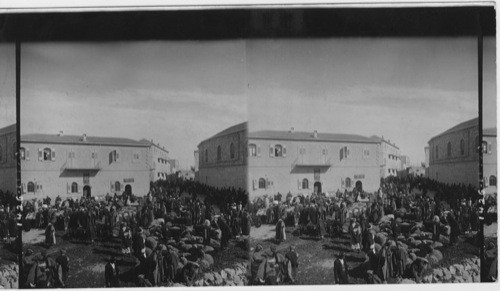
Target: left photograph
{"type": "Point", "coordinates": [9, 271]}
{"type": "Point", "coordinates": [132, 164]}
{"type": "Point", "coordinates": [9, 242]}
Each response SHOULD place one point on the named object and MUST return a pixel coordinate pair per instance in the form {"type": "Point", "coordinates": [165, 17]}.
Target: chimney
{"type": "Point", "coordinates": [291, 129]}
{"type": "Point", "coordinates": [315, 134]}
{"type": "Point", "coordinates": [60, 133]}
{"type": "Point", "coordinates": [84, 137]}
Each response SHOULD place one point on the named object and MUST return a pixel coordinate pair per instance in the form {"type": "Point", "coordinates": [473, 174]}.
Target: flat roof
{"type": "Point", "coordinates": [309, 136]}
{"type": "Point", "coordinates": [78, 140]}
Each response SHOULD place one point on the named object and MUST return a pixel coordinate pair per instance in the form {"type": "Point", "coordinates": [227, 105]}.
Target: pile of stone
{"type": "Point", "coordinates": [467, 271]}
{"type": "Point", "coordinates": [9, 275]}
{"type": "Point", "coordinates": [235, 276]}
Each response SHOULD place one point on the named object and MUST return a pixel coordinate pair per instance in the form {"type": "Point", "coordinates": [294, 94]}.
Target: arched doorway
{"type": "Point", "coordinates": [359, 186]}
{"type": "Point", "coordinates": [128, 189]}
{"type": "Point", "coordinates": [317, 187]}
{"type": "Point", "coordinates": [86, 191]}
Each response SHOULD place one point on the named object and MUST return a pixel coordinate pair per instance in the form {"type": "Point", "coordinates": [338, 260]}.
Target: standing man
{"type": "Point", "coordinates": [111, 274]}
{"type": "Point", "coordinates": [340, 270]}
{"type": "Point", "coordinates": [293, 257]}
{"type": "Point", "coordinates": [63, 268]}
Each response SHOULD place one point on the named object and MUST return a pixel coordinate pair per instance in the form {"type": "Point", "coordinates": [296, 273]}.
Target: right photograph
{"type": "Point", "coordinates": [364, 159]}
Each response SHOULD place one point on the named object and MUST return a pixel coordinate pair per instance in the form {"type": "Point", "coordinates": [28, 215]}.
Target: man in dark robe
{"type": "Point", "coordinates": [111, 274]}
{"type": "Point", "coordinates": [340, 270]}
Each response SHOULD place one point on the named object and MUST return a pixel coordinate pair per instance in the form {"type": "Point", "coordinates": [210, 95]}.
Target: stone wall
{"type": "Point", "coordinates": [9, 275]}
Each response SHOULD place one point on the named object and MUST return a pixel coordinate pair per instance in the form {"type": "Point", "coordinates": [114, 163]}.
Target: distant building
{"type": "Point", "coordinates": [405, 162]}
{"type": "Point", "coordinates": [196, 160]}
{"type": "Point", "coordinates": [427, 160]}
{"type": "Point", "coordinates": [454, 155]}
{"type": "Point", "coordinates": [389, 157]}
{"type": "Point", "coordinates": [222, 159]}
{"type": "Point", "coordinates": [8, 169]}
{"type": "Point", "coordinates": [187, 175]}
{"type": "Point", "coordinates": [174, 166]}
{"type": "Point", "coordinates": [72, 166]}
{"type": "Point", "coordinates": [490, 173]}
{"type": "Point", "coordinates": [306, 162]}
{"type": "Point", "coordinates": [157, 160]}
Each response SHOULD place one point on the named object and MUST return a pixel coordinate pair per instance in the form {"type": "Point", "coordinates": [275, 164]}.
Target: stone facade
{"type": "Point", "coordinates": [70, 166]}
{"type": "Point", "coordinates": [222, 159]}
{"type": "Point", "coordinates": [490, 172]}
{"type": "Point", "coordinates": [8, 171]}
{"type": "Point", "coordinates": [453, 154]}
{"type": "Point", "coordinates": [158, 160]}
{"type": "Point", "coordinates": [389, 157]}
{"type": "Point", "coordinates": [300, 162]}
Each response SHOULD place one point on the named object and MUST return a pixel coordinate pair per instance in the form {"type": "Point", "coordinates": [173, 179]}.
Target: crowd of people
{"type": "Point", "coordinates": [169, 233]}
{"type": "Point", "coordinates": [399, 207]}
{"type": "Point", "coordinates": [8, 222]}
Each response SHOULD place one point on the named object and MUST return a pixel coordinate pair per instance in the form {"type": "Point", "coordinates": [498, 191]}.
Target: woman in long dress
{"type": "Point", "coordinates": [280, 231]}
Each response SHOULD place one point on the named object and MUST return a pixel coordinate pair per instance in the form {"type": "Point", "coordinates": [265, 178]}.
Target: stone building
{"type": "Point", "coordinates": [222, 159]}
{"type": "Point", "coordinates": [8, 170]}
{"type": "Point", "coordinates": [306, 162]}
{"type": "Point", "coordinates": [454, 157]}
{"type": "Point", "coordinates": [158, 161]}
{"type": "Point", "coordinates": [389, 157]}
{"type": "Point", "coordinates": [72, 166]}
{"type": "Point", "coordinates": [490, 172]}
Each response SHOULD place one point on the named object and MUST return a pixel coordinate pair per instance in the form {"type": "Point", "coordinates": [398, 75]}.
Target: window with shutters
{"type": "Point", "coordinates": [262, 183]}
{"type": "Point", "coordinates": [113, 156]}
{"type": "Point", "coordinates": [22, 154]}
{"type": "Point", "coordinates": [74, 187]}
{"type": "Point", "coordinates": [252, 150]}
{"type": "Point", "coordinates": [278, 150]}
{"type": "Point", "coordinates": [305, 183]}
{"type": "Point", "coordinates": [437, 152]}
{"type": "Point", "coordinates": [219, 153]}
{"type": "Point", "coordinates": [117, 186]}
{"type": "Point", "coordinates": [31, 187]}
{"type": "Point", "coordinates": [448, 150]}
{"type": "Point", "coordinates": [366, 153]}
{"type": "Point", "coordinates": [348, 182]}
{"type": "Point", "coordinates": [47, 154]}
{"type": "Point", "coordinates": [344, 153]}
{"type": "Point", "coordinates": [231, 151]}
{"type": "Point", "coordinates": [206, 155]}
{"type": "Point", "coordinates": [462, 147]}
{"type": "Point", "coordinates": [14, 150]}
{"type": "Point", "coordinates": [493, 180]}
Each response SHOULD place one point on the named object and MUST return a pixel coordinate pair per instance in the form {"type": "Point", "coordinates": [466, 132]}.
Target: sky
{"type": "Point", "coordinates": [179, 93]}
{"type": "Point", "coordinates": [176, 93]}
{"type": "Point", "coordinates": [404, 89]}
{"type": "Point", "coordinates": [7, 85]}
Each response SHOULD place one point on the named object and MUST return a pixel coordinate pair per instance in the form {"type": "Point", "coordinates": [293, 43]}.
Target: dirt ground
{"type": "Point", "coordinates": [87, 261]}
{"type": "Point", "coordinates": [316, 256]}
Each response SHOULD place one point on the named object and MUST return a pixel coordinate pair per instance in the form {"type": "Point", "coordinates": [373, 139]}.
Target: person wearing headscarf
{"type": "Point", "coordinates": [257, 261]}
{"type": "Point", "coordinates": [50, 235]}
{"type": "Point", "coordinates": [454, 228]}
{"type": "Point", "coordinates": [280, 231]}
{"type": "Point", "coordinates": [418, 268]}
{"type": "Point", "coordinates": [63, 268]}
{"type": "Point", "coordinates": [293, 258]}
{"type": "Point", "coordinates": [436, 228]}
